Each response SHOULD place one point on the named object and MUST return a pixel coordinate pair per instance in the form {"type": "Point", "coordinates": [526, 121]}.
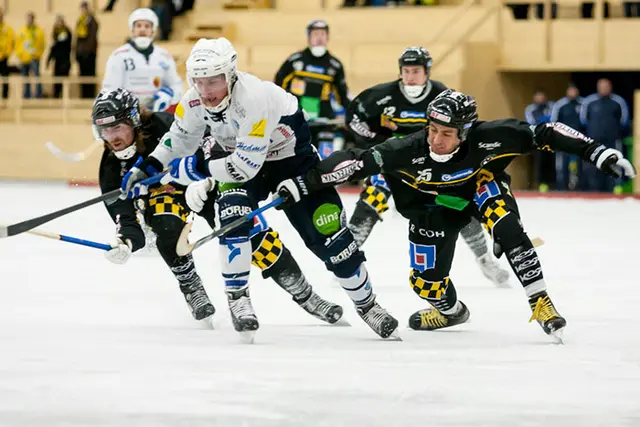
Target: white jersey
{"type": "Point", "coordinates": [129, 69]}
{"type": "Point", "coordinates": [261, 124]}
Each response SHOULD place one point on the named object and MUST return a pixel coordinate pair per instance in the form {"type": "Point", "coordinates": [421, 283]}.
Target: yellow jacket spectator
{"type": "Point", "coordinates": [30, 42]}
{"type": "Point", "coordinates": [7, 39]}
{"type": "Point", "coordinates": [30, 48]}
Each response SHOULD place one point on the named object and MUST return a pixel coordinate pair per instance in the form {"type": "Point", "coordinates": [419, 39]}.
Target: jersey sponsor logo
{"type": "Point", "coordinates": [361, 128]}
{"type": "Point", "coordinates": [485, 192]}
{"type": "Point", "coordinates": [235, 123]}
{"type": "Point", "coordinates": [596, 153]}
{"type": "Point", "coordinates": [194, 103]}
{"type": "Point", "coordinates": [342, 171]}
{"type": "Point", "coordinates": [156, 81]}
{"type": "Point", "coordinates": [487, 159]}
{"type": "Point", "coordinates": [297, 65]}
{"type": "Point", "coordinates": [258, 129]}
{"type": "Point", "coordinates": [179, 110]}
{"type": "Point", "coordinates": [105, 120]}
{"type": "Point", "coordinates": [232, 171]}
{"type": "Point", "coordinates": [297, 86]}
{"type": "Point", "coordinates": [413, 115]}
{"type": "Point", "coordinates": [248, 161]}
{"type": "Point", "coordinates": [490, 145]}
{"type": "Point", "coordinates": [314, 69]}
{"type": "Point", "coordinates": [332, 71]}
{"type": "Point", "coordinates": [249, 147]}
{"type": "Point", "coordinates": [335, 63]}
{"type": "Point", "coordinates": [384, 100]}
{"type": "Point", "coordinates": [345, 253]}
{"type": "Point", "coordinates": [440, 117]}
{"type": "Point", "coordinates": [234, 211]}
{"type": "Point", "coordinates": [418, 160]}
{"type": "Point", "coordinates": [327, 219]}
{"type": "Point", "coordinates": [163, 65]}
{"type": "Point", "coordinates": [422, 257]}
{"type": "Point", "coordinates": [457, 175]}
{"type": "Point", "coordinates": [568, 131]}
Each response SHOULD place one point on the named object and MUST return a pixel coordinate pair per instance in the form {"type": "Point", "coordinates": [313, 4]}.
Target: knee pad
{"type": "Point", "coordinates": [376, 195]}
{"type": "Point", "coordinates": [234, 204]}
{"type": "Point", "coordinates": [168, 229]}
{"type": "Point", "coordinates": [441, 293]}
{"type": "Point", "coordinates": [506, 229]}
{"type": "Point", "coordinates": [267, 249]}
{"type": "Point", "coordinates": [340, 253]}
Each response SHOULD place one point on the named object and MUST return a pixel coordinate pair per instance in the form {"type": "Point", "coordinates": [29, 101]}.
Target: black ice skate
{"type": "Point", "coordinates": [545, 313]}
{"type": "Point", "coordinates": [321, 309]}
{"type": "Point", "coordinates": [198, 301]}
{"type": "Point", "coordinates": [379, 320]}
{"type": "Point", "coordinates": [242, 315]}
{"type": "Point", "coordinates": [431, 319]}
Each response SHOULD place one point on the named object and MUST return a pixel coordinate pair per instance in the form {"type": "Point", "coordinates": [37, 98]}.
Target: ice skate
{"type": "Point", "coordinates": [545, 313]}
{"type": "Point", "coordinates": [431, 319]}
{"type": "Point", "coordinates": [492, 271]}
{"type": "Point", "coordinates": [242, 315]}
{"type": "Point", "coordinates": [198, 300]}
{"type": "Point", "coordinates": [321, 308]}
{"type": "Point", "coordinates": [379, 320]}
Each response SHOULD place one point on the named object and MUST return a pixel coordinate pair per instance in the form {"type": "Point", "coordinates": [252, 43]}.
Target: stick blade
{"type": "Point", "coordinates": [183, 247]}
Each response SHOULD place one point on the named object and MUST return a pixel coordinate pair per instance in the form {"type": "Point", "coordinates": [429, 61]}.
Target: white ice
{"type": "Point", "coordinates": [87, 343]}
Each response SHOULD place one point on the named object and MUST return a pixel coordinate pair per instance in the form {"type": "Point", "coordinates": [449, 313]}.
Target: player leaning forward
{"type": "Point", "coordinates": [268, 140]}
{"type": "Point", "coordinates": [131, 133]}
{"type": "Point", "coordinates": [419, 168]}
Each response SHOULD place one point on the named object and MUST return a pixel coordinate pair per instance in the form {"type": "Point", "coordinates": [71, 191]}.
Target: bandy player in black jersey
{"type": "Point", "coordinates": [449, 172]}
{"type": "Point", "coordinates": [396, 109]}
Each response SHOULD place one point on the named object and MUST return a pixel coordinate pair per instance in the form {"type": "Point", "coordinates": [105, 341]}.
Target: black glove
{"type": "Point", "coordinates": [291, 190]}
{"type": "Point", "coordinates": [613, 163]}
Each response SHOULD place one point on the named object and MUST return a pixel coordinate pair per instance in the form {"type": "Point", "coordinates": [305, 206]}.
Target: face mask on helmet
{"type": "Point", "coordinates": [318, 51]}
{"type": "Point", "coordinates": [414, 91]}
{"type": "Point", "coordinates": [142, 42]}
{"type": "Point", "coordinates": [119, 136]}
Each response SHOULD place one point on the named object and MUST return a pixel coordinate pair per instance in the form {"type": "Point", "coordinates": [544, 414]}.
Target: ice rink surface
{"type": "Point", "coordinates": [84, 342]}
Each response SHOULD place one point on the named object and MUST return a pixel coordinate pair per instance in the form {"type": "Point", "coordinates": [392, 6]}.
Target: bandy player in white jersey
{"type": "Point", "coordinates": [268, 140]}
{"type": "Point", "coordinates": [145, 70]}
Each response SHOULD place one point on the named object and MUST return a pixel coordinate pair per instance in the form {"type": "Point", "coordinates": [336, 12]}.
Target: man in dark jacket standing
{"type": "Point", "coordinates": [87, 47]}
{"type": "Point", "coordinates": [567, 111]}
{"type": "Point", "coordinates": [540, 112]}
{"type": "Point", "coordinates": [605, 117]}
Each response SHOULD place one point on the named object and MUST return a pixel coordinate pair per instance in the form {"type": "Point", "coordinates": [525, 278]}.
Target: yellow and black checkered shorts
{"type": "Point", "coordinates": [167, 205]}
{"type": "Point", "coordinates": [428, 290]}
{"type": "Point", "coordinates": [268, 252]}
{"type": "Point", "coordinates": [493, 213]}
{"type": "Point", "coordinates": [375, 198]}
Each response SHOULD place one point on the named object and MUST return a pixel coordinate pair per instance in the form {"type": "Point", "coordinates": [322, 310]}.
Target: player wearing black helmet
{"type": "Point", "coordinates": [313, 75]}
{"type": "Point", "coordinates": [131, 132]}
{"type": "Point", "coordinates": [399, 108]}
{"type": "Point", "coordinates": [449, 172]}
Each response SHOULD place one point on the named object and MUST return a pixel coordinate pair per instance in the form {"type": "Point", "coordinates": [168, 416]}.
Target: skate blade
{"type": "Point", "coordinates": [558, 336]}
{"type": "Point", "coordinates": [341, 322]}
{"type": "Point", "coordinates": [247, 337]}
{"type": "Point", "coordinates": [207, 323]}
{"type": "Point", "coordinates": [395, 336]}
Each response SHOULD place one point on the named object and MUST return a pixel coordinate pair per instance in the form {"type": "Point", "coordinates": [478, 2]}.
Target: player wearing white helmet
{"type": "Point", "coordinates": [268, 140]}
{"type": "Point", "coordinates": [145, 70]}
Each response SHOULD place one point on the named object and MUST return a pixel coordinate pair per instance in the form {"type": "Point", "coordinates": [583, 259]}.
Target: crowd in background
{"type": "Point", "coordinates": [29, 42]}
{"type": "Point", "coordinates": [353, 3]}
{"type": "Point", "coordinates": [602, 115]}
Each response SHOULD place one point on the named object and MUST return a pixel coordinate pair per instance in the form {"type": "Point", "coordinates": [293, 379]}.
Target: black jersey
{"type": "Point", "coordinates": [417, 181]}
{"type": "Point", "coordinates": [112, 169]}
{"type": "Point", "coordinates": [312, 80]}
{"type": "Point", "coordinates": [383, 111]}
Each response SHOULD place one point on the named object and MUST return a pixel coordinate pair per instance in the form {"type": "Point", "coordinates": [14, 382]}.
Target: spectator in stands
{"type": "Point", "coordinates": [30, 48]}
{"type": "Point", "coordinates": [60, 52]}
{"type": "Point", "coordinates": [536, 113]}
{"type": "Point", "coordinates": [110, 6]}
{"type": "Point", "coordinates": [567, 111]}
{"type": "Point", "coordinates": [604, 116]}
{"type": "Point", "coordinates": [631, 9]}
{"type": "Point", "coordinates": [164, 9]}
{"type": "Point", "coordinates": [87, 47]}
{"type": "Point", "coordinates": [7, 38]}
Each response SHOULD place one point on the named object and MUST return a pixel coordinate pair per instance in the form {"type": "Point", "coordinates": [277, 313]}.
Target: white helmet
{"type": "Point", "coordinates": [143, 15]}
{"type": "Point", "coordinates": [213, 57]}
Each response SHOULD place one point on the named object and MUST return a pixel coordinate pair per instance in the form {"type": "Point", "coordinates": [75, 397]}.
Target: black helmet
{"type": "Point", "coordinates": [415, 56]}
{"type": "Point", "coordinates": [112, 108]}
{"type": "Point", "coordinates": [317, 24]}
{"type": "Point", "coordinates": [116, 106]}
{"type": "Point", "coordinates": [454, 109]}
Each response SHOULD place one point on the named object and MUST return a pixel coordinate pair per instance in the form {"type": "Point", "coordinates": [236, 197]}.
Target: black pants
{"type": "Point", "coordinates": [4, 72]}
{"type": "Point", "coordinates": [87, 64]}
{"type": "Point", "coordinates": [433, 236]}
{"type": "Point", "coordinates": [60, 69]}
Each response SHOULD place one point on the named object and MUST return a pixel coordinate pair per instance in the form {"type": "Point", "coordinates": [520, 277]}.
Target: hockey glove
{"type": "Point", "coordinates": [612, 162]}
{"type": "Point", "coordinates": [291, 190]}
{"type": "Point", "coordinates": [198, 193]}
{"type": "Point", "coordinates": [141, 169]}
{"type": "Point", "coordinates": [185, 170]}
{"type": "Point", "coordinates": [162, 99]}
{"type": "Point", "coordinates": [121, 251]}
